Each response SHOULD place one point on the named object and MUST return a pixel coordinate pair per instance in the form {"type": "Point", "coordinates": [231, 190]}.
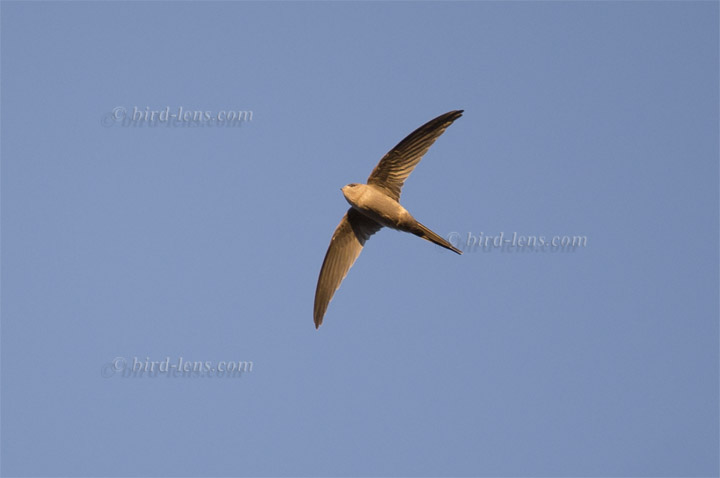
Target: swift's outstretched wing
{"type": "Point", "coordinates": [394, 168]}
{"type": "Point", "coordinates": [345, 246]}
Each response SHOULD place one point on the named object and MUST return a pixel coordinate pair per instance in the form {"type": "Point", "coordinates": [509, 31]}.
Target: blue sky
{"type": "Point", "coordinates": [203, 243]}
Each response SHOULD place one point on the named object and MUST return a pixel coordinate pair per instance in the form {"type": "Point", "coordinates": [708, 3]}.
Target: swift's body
{"type": "Point", "coordinates": [376, 204]}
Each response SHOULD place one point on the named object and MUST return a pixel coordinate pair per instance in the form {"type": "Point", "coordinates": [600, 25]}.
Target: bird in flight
{"type": "Point", "coordinates": [374, 205]}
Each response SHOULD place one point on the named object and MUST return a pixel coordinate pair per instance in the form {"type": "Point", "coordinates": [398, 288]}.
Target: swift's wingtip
{"type": "Point", "coordinates": [453, 115]}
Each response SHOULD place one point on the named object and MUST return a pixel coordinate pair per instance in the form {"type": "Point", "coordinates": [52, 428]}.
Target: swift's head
{"type": "Point", "coordinates": [352, 192]}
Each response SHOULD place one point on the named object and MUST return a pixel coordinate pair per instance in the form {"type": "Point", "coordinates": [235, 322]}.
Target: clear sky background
{"type": "Point", "coordinates": [597, 119]}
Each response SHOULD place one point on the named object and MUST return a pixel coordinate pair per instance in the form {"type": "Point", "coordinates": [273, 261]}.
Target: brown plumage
{"type": "Point", "coordinates": [374, 205]}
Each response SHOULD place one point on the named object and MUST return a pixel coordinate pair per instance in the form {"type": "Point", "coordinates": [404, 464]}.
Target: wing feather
{"type": "Point", "coordinates": [394, 168]}
{"type": "Point", "coordinates": [345, 247]}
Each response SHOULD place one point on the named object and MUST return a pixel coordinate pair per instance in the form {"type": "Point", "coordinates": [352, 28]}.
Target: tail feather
{"type": "Point", "coordinates": [428, 235]}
